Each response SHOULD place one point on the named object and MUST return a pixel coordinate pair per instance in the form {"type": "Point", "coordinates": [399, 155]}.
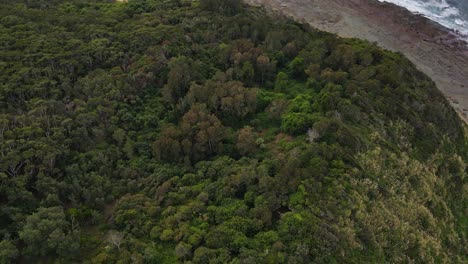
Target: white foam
{"type": "Point", "coordinates": [460, 22]}
{"type": "Point", "coordinates": [437, 10]}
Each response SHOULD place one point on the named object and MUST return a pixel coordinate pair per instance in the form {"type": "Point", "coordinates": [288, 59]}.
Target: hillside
{"type": "Point", "coordinates": [434, 49]}
{"type": "Point", "coordinates": [160, 131]}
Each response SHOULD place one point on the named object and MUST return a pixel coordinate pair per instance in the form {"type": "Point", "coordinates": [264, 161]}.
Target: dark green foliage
{"type": "Point", "coordinates": [228, 7]}
{"type": "Point", "coordinates": [161, 131]}
{"type": "Point", "coordinates": [8, 251]}
{"type": "Point", "coordinates": [46, 232]}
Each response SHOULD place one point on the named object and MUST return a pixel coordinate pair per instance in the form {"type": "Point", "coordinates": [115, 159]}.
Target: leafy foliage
{"type": "Point", "coordinates": [161, 131]}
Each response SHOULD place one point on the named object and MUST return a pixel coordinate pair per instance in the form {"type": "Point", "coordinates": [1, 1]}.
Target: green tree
{"type": "Point", "coordinates": [181, 74]}
{"type": "Point", "coordinates": [202, 133]}
{"type": "Point", "coordinates": [46, 231]}
{"type": "Point", "coordinates": [8, 251]}
{"type": "Point", "coordinates": [281, 84]}
{"type": "Point", "coordinates": [229, 7]}
{"type": "Point", "coordinates": [225, 98]}
{"type": "Point", "coordinates": [298, 67]}
{"type": "Point", "coordinates": [246, 141]}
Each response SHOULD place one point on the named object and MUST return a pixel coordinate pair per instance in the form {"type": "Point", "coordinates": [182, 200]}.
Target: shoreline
{"type": "Point", "coordinates": [434, 49]}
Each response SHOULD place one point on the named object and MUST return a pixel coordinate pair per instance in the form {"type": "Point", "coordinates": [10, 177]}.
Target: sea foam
{"type": "Point", "coordinates": [439, 11]}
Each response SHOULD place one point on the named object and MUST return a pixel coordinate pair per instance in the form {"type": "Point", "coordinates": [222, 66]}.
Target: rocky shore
{"type": "Point", "coordinates": [434, 49]}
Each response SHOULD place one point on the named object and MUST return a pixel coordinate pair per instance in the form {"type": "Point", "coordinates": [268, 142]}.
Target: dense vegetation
{"type": "Point", "coordinates": [160, 131]}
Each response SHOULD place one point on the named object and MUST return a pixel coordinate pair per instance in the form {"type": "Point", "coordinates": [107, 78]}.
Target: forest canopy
{"type": "Point", "coordinates": [159, 131]}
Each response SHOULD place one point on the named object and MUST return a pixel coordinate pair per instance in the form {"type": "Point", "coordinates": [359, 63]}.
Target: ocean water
{"type": "Point", "coordinates": [452, 14]}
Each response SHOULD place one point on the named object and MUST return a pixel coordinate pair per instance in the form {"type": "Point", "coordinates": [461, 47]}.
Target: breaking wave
{"type": "Point", "coordinates": [446, 13]}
